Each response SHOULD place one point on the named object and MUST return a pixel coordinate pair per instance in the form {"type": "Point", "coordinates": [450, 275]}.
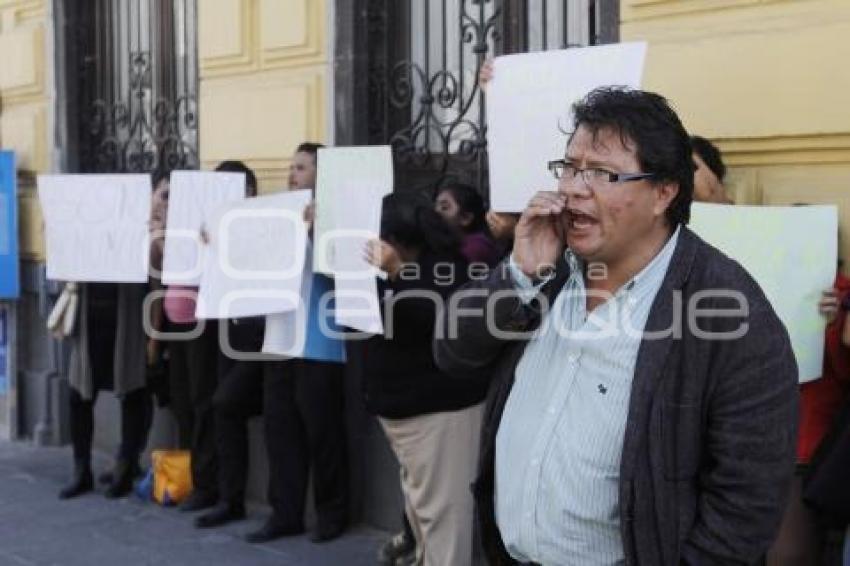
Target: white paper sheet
{"type": "Point", "coordinates": [255, 258]}
{"type": "Point", "coordinates": [792, 252]}
{"type": "Point", "coordinates": [309, 331]}
{"type": "Point", "coordinates": [193, 197]}
{"type": "Point", "coordinates": [529, 104]}
{"type": "Point", "coordinates": [342, 174]}
{"type": "Point", "coordinates": [357, 304]}
{"type": "Point", "coordinates": [286, 332]}
{"type": "Point", "coordinates": [96, 227]}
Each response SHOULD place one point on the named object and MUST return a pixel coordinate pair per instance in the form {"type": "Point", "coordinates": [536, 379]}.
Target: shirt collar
{"type": "Point", "coordinates": [653, 271]}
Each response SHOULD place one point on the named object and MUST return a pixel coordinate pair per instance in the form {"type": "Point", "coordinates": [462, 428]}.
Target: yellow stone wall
{"type": "Point", "coordinates": [264, 68]}
{"type": "Point", "coordinates": [768, 81]}
{"type": "Point", "coordinates": [765, 79]}
{"type": "Point", "coordinates": [26, 105]}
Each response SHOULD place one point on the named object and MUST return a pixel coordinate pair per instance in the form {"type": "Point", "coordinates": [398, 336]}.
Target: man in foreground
{"type": "Point", "coordinates": [644, 395]}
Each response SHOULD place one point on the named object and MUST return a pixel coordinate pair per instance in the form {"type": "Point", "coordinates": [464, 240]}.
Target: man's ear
{"type": "Point", "coordinates": [666, 193]}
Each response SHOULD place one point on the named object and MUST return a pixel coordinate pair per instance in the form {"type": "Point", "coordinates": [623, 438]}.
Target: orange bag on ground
{"type": "Point", "coordinates": [172, 476]}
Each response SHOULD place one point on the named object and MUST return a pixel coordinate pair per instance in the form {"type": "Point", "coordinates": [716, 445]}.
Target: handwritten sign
{"type": "Point", "coordinates": [792, 266]}
{"type": "Point", "coordinates": [96, 227]}
{"type": "Point", "coordinates": [343, 174]}
{"type": "Point", "coordinates": [308, 332]}
{"type": "Point", "coordinates": [193, 198]}
{"type": "Point", "coordinates": [255, 257]}
{"type": "Point", "coordinates": [357, 303]}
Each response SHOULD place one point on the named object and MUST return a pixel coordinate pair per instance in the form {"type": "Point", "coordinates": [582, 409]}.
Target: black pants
{"type": "Point", "coordinates": [136, 415]}
{"type": "Point", "coordinates": [193, 380]}
{"type": "Point", "coordinates": [136, 406]}
{"type": "Point", "coordinates": [238, 398]}
{"type": "Point", "coordinates": [303, 413]}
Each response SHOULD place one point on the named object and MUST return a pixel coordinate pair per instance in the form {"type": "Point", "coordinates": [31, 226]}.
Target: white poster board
{"type": "Point", "coordinates": [254, 259]}
{"type": "Point", "coordinates": [342, 174]}
{"type": "Point", "coordinates": [96, 227]}
{"type": "Point", "coordinates": [193, 198]}
{"type": "Point", "coordinates": [357, 303]}
{"type": "Point", "coordinates": [792, 252]}
{"type": "Point", "coordinates": [286, 332]}
{"type": "Point", "coordinates": [308, 332]}
{"type": "Point", "coordinates": [529, 112]}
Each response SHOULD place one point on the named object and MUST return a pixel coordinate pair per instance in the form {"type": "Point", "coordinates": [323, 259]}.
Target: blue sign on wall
{"type": "Point", "coordinates": [4, 351]}
{"type": "Point", "coordinates": [9, 276]}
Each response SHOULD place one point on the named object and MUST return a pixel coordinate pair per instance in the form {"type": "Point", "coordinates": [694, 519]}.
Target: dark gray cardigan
{"type": "Point", "coordinates": [130, 343]}
{"type": "Point", "coordinates": [709, 449]}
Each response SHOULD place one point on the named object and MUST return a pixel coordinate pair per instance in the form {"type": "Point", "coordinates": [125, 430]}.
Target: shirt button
{"type": "Point", "coordinates": [551, 410]}
{"type": "Point", "coordinates": [534, 462]}
{"type": "Point", "coordinates": [573, 358]}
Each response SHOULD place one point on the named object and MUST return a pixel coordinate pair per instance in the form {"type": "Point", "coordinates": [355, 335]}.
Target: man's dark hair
{"type": "Point", "coordinates": [240, 167]}
{"type": "Point", "coordinates": [309, 147]}
{"type": "Point", "coordinates": [710, 155]}
{"type": "Point", "coordinates": [469, 201]}
{"type": "Point", "coordinates": [646, 121]}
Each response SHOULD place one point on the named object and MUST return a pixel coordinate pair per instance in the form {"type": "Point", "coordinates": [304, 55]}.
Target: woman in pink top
{"type": "Point", "coordinates": [194, 379]}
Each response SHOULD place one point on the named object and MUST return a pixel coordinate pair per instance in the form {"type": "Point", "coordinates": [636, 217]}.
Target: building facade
{"type": "Point", "coordinates": [115, 85]}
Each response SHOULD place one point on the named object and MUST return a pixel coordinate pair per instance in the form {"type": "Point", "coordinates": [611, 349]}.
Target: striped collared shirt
{"type": "Point", "coordinates": [560, 441]}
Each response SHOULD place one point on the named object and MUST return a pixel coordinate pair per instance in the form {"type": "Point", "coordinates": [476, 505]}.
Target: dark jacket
{"type": "Point", "coordinates": [128, 369]}
{"type": "Point", "coordinates": [400, 377]}
{"type": "Point", "coordinates": [708, 453]}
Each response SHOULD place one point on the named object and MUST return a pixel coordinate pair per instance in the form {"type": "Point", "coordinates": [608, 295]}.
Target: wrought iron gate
{"type": "Point", "coordinates": [423, 62]}
{"type": "Point", "coordinates": [137, 84]}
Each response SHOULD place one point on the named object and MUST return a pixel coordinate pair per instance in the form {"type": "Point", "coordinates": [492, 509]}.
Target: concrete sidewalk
{"type": "Point", "coordinates": [38, 529]}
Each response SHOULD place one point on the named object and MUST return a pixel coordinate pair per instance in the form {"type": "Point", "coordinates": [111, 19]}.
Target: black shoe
{"type": "Point", "coordinates": [198, 501]}
{"type": "Point", "coordinates": [221, 514]}
{"type": "Point", "coordinates": [399, 546]}
{"type": "Point", "coordinates": [408, 559]}
{"type": "Point", "coordinates": [122, 479]}
{"type": "Point", "coordinates": [83, 482]}
{"type": "Point", "coordinates": [326, 532]}
{"type": "Point", "coordinates": [108, 476]}
{"type": "Point", "coordinates": [272, 530]}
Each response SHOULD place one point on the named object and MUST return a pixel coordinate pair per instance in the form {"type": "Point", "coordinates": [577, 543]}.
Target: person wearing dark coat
{"type": "Point", "coordinates": [643, 392]}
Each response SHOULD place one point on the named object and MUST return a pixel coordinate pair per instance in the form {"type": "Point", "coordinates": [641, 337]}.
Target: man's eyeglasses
{"type": "Point", "coordinates": [593, 176]}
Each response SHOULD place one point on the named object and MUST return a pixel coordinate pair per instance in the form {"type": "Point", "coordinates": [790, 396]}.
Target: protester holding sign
{"type": "Point", "coordinates": [432, 420]}
{"type": "Point", "coordinates": [109, 351]}
{"type": "Point", "coordinates": [193, 367]}
{"type": "Point", "coordinates": [803, 535]}
{"type": "Point", "coordinates": [238, 397]}
{"type": "Point", "coordinates": [304, 421]}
